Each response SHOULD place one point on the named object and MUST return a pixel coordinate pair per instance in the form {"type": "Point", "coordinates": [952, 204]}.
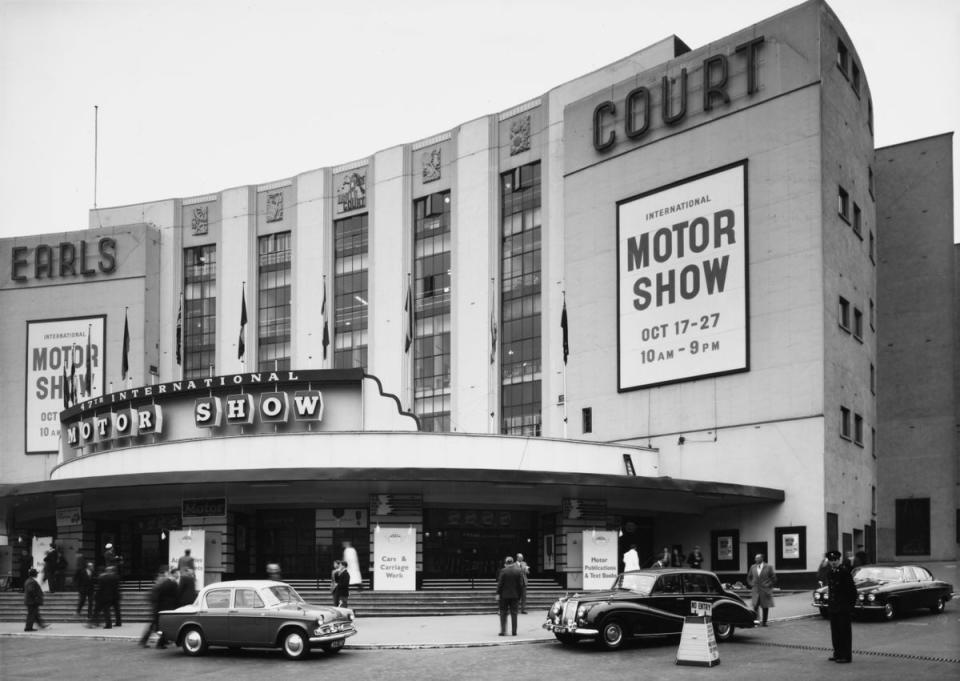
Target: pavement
{"type": "Point", "coordinates": [450, 631]}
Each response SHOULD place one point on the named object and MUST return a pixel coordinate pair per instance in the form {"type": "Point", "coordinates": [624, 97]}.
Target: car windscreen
{"type": "Point", "coordinates": [639, 583]}
{"type": "Point", "coordinates": [282, 593]}
{"type": "Point", "coordinates": [877, 574]}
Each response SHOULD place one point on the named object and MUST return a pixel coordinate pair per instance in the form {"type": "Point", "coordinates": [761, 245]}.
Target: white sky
{"type": "Point", "coordinates": [199, 96]}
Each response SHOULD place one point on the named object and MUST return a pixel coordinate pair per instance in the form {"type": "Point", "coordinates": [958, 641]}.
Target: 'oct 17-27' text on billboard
{"type": "Point", "coordinates": [682, 280]}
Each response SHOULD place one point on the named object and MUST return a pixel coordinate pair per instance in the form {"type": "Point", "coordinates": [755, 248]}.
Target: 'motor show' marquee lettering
{"type": "Point", "coordinates": [637, 109]}
{"type": "Point", "coordinates": [237, 410]}
{"type": "Point", "coordinates": [147, 420]}
{"type": "Point", "coordinates": [69, 261]}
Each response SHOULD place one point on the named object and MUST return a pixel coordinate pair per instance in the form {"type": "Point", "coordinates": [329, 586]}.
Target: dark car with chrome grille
{"type": "Point", "coordinates": [889, 590]}
{"type": "Point", "coordinates": [647, 604]}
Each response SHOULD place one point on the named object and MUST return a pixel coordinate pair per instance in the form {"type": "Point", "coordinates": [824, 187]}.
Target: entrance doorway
{"type": "Point", "coordinates": [472, 544]}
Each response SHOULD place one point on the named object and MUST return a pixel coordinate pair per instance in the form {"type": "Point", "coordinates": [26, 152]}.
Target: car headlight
{"type": "Point", "coordinates": [859, 597]}
{"type": "Point", "coordinates": [816, 595]}
{"type": "Point", "coordinates": [555, 610]}
{"type": "Point", "coordinates": [871, 597]}
{"type": "Point", "coordinates": [584, 610]}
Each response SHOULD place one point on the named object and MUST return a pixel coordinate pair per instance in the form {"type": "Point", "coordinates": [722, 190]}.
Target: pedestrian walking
{"type": "Point", "coordinates": [525, 571]}
{"type": "Point", "coordinates": [108, 598]}
{"type": "Point", "coordinates": [85, 579]}
{"type": "Point", "coordinates": [509, 594]}
{"type": "Point", "coordinates": [351, 561]}
{"type": "Point", "coordinates": [163, 596]}
{"type": "Point", "coordinates": [761, 578]}
{"type": "Point", "coordinates": [33, 599]}
{"type": "Point", "coordinates": [843, 596]}
{"type": "Point", "coordinates": [50, 561]}
{"type": "Point", "coordinates": [341, 593]}
{"type": "Point", "coordinates": [187, 584]}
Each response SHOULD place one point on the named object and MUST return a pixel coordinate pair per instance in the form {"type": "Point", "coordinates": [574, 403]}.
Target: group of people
{"type": "Point", "coordinates": [667, 557]}
{"type": "Point", "coordinates": [512, 591]}
{"type": "Point", "coordinates": [346, 573]}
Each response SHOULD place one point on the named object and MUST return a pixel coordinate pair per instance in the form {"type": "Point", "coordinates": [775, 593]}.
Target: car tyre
{"type": "Point", "coordinates": [193, 643]}
{"type": "Point", "coordinates": [723, 631]}
{"type": "Point", "coordinates": [938, 607]}
{"type": "Point", "coordinates": [565, 639]}
{"type": "Point", "coordinates": [612, 634]}
{"type": "Point", "coordinates": [889, 610]}
{"type": "Point", "coordinates": [294, 644]}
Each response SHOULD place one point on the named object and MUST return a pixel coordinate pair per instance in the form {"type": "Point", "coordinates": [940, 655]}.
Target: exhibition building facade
{"type": "Point", "coordinates": [646, 307]}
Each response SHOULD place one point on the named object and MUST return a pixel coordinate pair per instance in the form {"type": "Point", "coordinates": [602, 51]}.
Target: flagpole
{"type": "Point", "coordinates": [180, 349]}
{"type": "Point", "coordinates": [565, 396]}
{"type": "Point", "coordinates": [96, 146]}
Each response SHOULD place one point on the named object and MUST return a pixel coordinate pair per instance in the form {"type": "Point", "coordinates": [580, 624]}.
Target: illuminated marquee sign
{"type": "Point", "coordinates": [682, 280]}
{"type": "Point", "coordinates": [273, 407]}
{"type": "Point", "coordinates": [145, 420]}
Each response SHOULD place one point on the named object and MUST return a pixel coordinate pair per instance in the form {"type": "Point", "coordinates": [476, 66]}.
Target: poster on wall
{"type": "Point", "coordinates": [62, 354]}
{"type": "Point", "coordinates": [195, 540]}
{"type": "Point", "coordinates": [395, 558]}
{"type": "Point", "coordinates": [600, 565]}
{"type": "Point", "coordinates": [682, 280]}
{"type": "Point", "coordinates": [791, 546]}
{"type": "Point", "coordinates": [725, 548]}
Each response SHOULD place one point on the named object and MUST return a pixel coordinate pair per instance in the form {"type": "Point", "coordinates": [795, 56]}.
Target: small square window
{"type": "Point", "coordinates": [844, 314]}
{"type": "Point", "coordinates": [844, 423]}
{"type": "Point", "coordinates": [858, 429]}
{"type": "Point", "coordinates": [857, 324]}
{"type": "Point", "coordinates": [843, 204]}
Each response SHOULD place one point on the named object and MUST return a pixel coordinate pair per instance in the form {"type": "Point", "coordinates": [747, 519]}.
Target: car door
{"type": "Point", "coordinates": [667, 595]}
{"type": "Point", "coordinates": [910, 596]}
{"type": "Point", "coordinates": [250, 621]}
{"type": "Point", "coordinates": [213, 615]}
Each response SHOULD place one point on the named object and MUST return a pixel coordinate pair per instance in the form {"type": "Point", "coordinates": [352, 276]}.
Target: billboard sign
{"type": "Point", "coordinates": [682, 280]}
{"type": "Point", "coordinates": [395, 565]}
{"type": "Point", "coordinates": [59, 352]}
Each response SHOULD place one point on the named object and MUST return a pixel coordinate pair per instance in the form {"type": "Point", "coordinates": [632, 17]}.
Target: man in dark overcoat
{"type": "Point", "coordinates": [33, 599]}
{"type": "Point", "coordinates": [85, 579]}
{"type": "Point", "coordinates": [108, 597]}
{"type": "Point", "coordinates": [510, 591]}
{"type": "Point", "coordinates": [843, 596]}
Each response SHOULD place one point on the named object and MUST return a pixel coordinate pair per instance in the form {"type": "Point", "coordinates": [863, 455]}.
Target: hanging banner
{"type": "Point", "coordinates": [62, 354]}
{"type": "Point", "coordinates": [599, 559]}
{"type": "Point", "coordinates": [195, 540]}
{"type": "Point", "coordinates": [395, 558]}
{"type": "Point", "coordinates": [682, 280]}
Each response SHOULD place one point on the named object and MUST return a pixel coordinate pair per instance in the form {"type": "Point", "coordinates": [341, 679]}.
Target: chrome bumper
{"type": "Point", "coordinates": [333, 636]}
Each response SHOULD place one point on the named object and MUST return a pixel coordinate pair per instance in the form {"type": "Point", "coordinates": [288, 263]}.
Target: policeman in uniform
{"type": "Point", "coordinates": [843, 595]}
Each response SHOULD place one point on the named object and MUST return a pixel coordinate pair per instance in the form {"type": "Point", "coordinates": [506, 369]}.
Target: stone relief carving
{"type": "Point", "coordinates": [520, 135]}
{"type": "Point", "coordinates": [352, 192]}
{"type": "Point", "coordinates": [430, 162]}
{"type": "Point", "coordinates": [199, 223]}
{"type": "Point", "coordinates": [275, 207]}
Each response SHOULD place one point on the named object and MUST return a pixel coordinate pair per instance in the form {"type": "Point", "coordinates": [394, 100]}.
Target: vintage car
{"type": "Point", "coordinates": [647, 604]}
{"type": "Point", "coordinates": [887, 590]}
{"type": "Point", "coordinates": [256, 614]}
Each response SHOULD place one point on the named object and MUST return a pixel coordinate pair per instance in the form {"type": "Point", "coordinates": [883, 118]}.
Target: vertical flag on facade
{"type": "Point", "coordinates": [323, 314]}
{"type": "Point", "coordinates": [73, 374]}
{"type": "Point", "coordinates": [408, 309]}
{"type": "Point", "coordinates": [89, 370]}
{"type": "Point", "coordinates": [66, 393]}
{"type": "Point", "coordinates": [125, 365]}
{"type": "Point", "coordinates": [241, 346]}
{"type": "Point", "coordinates": [180, 331]}
{"type": "Point", "coordinates": [563, 326]}
{"type": "Point", "coordinates": [493, 322]}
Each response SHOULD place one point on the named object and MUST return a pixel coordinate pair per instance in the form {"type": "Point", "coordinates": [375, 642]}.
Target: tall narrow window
{"type": "Point", "coordinates": [858, 429]}
{"type": "Point", "coordinates": [844, 314]}
{"type": "Point", "coordinates": [873, 379]}
{"type": "Point", "coordinates": [857, 323]}
{"type": "Point", "coordinates": [844, 423]}
{"type": "Point", "coordinates": [351, 312]}
{"type": "Point", "coordinates": [843, 58]}
{"type": "Point", "coordinates": [871, 249]}
{"type": "Point", "coordinates": [199, 310]}
{"type": "Point", "coordinates": [520, 371]}
{"type": "Point", "coordinates": [843, 203]}
{"type": "Point", "coordinates": [857, 220]}
{"type": "Point", "coordinates": [431, 338]}
{"type": "Point", "coordinates": [587, 417]}
{"type": "Point", "coordinates": [273, 302]}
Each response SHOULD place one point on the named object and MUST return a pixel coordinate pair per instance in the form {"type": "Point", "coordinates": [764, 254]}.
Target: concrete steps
{"type": "Point", "coordinates": [436, 597]}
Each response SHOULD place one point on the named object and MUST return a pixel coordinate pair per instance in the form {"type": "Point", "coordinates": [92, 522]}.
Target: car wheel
{"type": "Point", "coordinates": [889, 610]}
{"type": "Point", "coordinates": [565, 639]}
{"type": "Point", "coordinates": [938, 607]}
{"type": "Point", "coordinates": [612, 634]}
{"type": "Point", "coordinates": [294, 644]}
{"type": "Point", "coordinates": [333, 647]}
{"type": "Point", "coordinates": [194, 642]}
{"type": "Point", "coordinates": [723, 631]}
{"type": "Point", "coordinates": [824, 613]}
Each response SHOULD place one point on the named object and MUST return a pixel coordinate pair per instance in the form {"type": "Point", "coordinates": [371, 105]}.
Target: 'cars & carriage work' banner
{"type": "Point", "coordinates": [682, 280]}
{"type": "Point", "coordinates": [395, 558]}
